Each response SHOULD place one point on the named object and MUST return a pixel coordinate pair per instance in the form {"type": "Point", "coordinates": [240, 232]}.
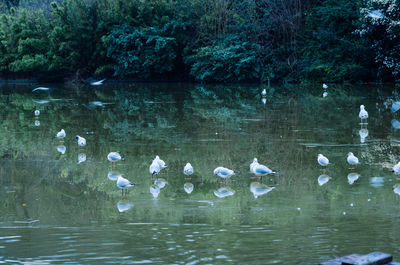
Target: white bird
{"type": "Point", "coordinates": [255, 162]}
{"type": "Point", "coordinates": [99, 104]}
{"type": "Point", "coordinates": [224, 192]}
{"type": "Point", "coordinates": [395, 106]}
{"type": "Point", "coordinates": [61, 134]}
{"type": "Point", "coordinates": [223, 172]}
{"type": "Point", "coordinates": [114, 157]}
{"type": "Point", "coordinates": [188, 169]}
{"type": "Point", "coordinates": [352, 159]}
{"type": "Point", "coordinates": [188, 187]}
{"type": "Point", "coordinates": [324, 86]}
{"type": "Point", "coordinates": [37, 112]}
{"type": "Point", "coordinates": [123, 206]}
{"type": "Point", "coordinates": [352, 177]}
{"type": "Point", "coordinates": [154, 168]}
{"type": "Point", "coordinates": [61, 149]}
{"type": "Point", "coordinates": [41, 89]}
{"type": "Point", "coordinates": [323, 179]}
{"type": "Point", "coordinates": [97, 83]}
{"type": "Point", "coordinates": [376, 14]}
{"type": "Point", "coordinates": [396, 168]}
{"type": "Point", "coordinates": [264, 93]}
{"type": "Point", "coordinates": [160, 162]}
{"type": "Point", "coordinates": [81, 158]}
{"type": "Point", "coordinates": [395, 124]}
{"type": "Point", "coordinates": [323, 160]}
{"type": "Point", "coordinates": [260, 170]}
{"type": "Point", "coordinates": [363, 113]}
{"type": "Point", "coordinates": [123, 183]}
{"type": "Point", "coordinates": [396, 189]}
{"type": "Point", "coordinates": [259, 189]}
{"type": "Point", "coordinates": [325, 94]}
{"type": "Point", "coordinates": [81, 140]}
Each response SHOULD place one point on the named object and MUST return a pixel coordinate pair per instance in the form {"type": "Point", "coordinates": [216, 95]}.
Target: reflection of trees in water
{"type": "Point", "coordinates": [207, 126]}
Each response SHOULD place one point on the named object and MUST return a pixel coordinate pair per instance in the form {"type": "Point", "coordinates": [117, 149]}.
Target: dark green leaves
{"type": "Point", "coordinates": [141, 53]}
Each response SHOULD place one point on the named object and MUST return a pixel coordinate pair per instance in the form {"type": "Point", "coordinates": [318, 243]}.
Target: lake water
{"type": "Point", "coordinates": [59, 204]}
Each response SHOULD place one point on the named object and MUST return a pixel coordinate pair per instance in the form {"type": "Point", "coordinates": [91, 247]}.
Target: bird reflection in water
{"type": "Point", "coordinates": [258, 189]}
{"type": "Point", "coordinates": [81, 158]}
{"type": "Point", "coordinates": [188, 187]}
{"type": "Point", "coordinates": [154, 190]}
{"type": "Point", "coordinates": [124, 206]}
{"type": "Point", "coordinates": [113, 175]}
{"type": "Point", "coordinates": [323, 179]}
{"type": "Point", "coordinates": [352, 177]}
{"type": "Point", "coordinates": [62, 149]}
{"type": "Point", "coordinates": [224, 192]}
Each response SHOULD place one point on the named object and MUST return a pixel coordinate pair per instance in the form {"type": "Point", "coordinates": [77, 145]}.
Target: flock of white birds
{"type": "Point", "coordinates": [256, 168]}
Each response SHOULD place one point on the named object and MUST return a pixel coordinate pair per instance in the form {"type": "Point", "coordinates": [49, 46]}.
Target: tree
{"type": "Point", "coordinates": [380, 26]}
{"type": "Point", "coordinates": [141, 53]}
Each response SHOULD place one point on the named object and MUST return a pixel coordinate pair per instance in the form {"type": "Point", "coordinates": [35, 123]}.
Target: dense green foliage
{"type": "Point", "coordinates": [330, 48]}
{"type": "Point", "coordinates": [207, 41]}
{"type": "Point", "coordinates": [141, 53]}
{"type": "Point", "coordinates": [380, 25]}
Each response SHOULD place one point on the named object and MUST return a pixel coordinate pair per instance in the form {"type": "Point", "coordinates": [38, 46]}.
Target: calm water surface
{"type": "Point", "coordinates": [59, 204]}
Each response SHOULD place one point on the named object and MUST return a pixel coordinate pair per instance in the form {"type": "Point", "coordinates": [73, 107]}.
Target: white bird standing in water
{"type": "Point", "coordinates": [223, 172]}
{"type": "Point", "coordinates": [352, 159]}
{"type": "Point", "coordinates": [188, 169]}
{"type": "Point", "coordinates": [260, 170]}
{"type": "Point", "coordinates": [61, 134]}
{"type": "Point", "coordinates": [81, 140]}
{"type": "Point", "coordinates": [323, 160]}
{"type": "Point", "coordinates": [97, 83]}
{"type": "Point", "coordinates": [324, 86]}
{"type": "Point", "coordinates": [160, 162]}
{"type": "Point", "coordinates": [37, 112]}
{"type": "Point", "coordinates": [363, 113]}
{"type": "Point", "coordinates": [114, 157]}
{"type": "Point", "coordinates": [123, 183]}
{"type": "Point", "coordinates": [254, 163]}
{"type": "Point", "coordinates": [264, 93]}
{"type": "Point", "coordinates": [396, 168]}
{"type": "Point", "coordinates": [154, 168]}
{"type": "Point", "coordinates": [41, 89]}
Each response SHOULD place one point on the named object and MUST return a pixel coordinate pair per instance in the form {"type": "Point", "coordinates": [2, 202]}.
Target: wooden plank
{"type": "Point", "coordinates": [339, 261]}
{"type": "Point", "coordinates": [374, 258]}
